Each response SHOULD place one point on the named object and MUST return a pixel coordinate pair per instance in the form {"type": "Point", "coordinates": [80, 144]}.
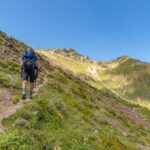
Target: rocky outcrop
{"type": "Point", "coordinates": [69, 53]}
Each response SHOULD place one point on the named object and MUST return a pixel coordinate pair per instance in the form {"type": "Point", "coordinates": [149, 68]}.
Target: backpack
{"type": "Point", "coordinates": [28, 62]}
{"type": "Point", "coordinates": [29, 54]}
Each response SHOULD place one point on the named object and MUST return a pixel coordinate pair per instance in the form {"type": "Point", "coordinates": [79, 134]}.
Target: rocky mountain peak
{"type": "Point", "coordinates": [70, 53]}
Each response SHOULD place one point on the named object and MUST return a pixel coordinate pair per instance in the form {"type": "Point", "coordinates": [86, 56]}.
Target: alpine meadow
{"type": "Point", "coordinates": [78, 104]}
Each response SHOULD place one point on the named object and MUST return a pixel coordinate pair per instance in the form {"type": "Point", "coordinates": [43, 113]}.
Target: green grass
{"type": "Point", "coordinates": [9, 74]}
{"type": "Point", "coordinates": [67, 113]}
{"type": "Point", "coordinates": [64, 115]}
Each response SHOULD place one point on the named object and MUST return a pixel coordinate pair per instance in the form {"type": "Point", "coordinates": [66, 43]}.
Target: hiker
{"type": "Point", "coordinates": [29, 71]}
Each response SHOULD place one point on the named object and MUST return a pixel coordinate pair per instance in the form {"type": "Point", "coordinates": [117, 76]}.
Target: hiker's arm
{"type": "Point", "coordinates": [22, 61]}
{"type": "Point", "coordinates": [21, 66]}
{"type": "Point", "coordinates": [37, 64]}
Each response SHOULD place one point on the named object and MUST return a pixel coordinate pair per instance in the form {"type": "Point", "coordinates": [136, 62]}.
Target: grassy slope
{"type": "Point", "coordinates": [126, 76]}
{"type": "Point", "coordinates": [10, 51]}
{"type": "Point", "coordinates": [10, 78]}
{"type": "Point", "coordinates": [69, 114]}
{"type": "Point", "coordinates": [132, 78]}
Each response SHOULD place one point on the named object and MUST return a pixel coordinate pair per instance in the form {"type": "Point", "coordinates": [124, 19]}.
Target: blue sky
{"type": "Point", "coordinates": [101, 29]}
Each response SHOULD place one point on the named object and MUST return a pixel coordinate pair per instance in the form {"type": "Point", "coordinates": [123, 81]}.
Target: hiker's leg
{"type": "Point", "coordinates": [32, 79]}
{"type": "Point", "coordinates": [31, 90]}
{"type": "Point", "coordinates": [31, 87]}
{"type": "Point", "coordinates": [24, 82]}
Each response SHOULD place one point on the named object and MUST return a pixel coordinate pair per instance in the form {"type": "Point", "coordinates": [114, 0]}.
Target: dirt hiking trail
{"type": "Point", "coordinates": [7, 108]}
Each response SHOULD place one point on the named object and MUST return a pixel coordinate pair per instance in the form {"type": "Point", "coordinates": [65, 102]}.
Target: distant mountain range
{"type": "Point", "coordinates": [126, 77]}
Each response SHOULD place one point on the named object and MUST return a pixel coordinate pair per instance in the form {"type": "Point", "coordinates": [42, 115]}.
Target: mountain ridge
{"type": "Point", "coordinates": [112, 74]}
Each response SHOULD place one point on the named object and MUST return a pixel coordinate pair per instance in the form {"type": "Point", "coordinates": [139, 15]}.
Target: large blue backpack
{"type": "Point", "coordinates": [28, 61]}
{"type": "Point", "coordinates": [29, 54]}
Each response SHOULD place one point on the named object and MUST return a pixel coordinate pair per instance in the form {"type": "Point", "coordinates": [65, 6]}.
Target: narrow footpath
{"type": "Point", "coordinates": [7, 108]}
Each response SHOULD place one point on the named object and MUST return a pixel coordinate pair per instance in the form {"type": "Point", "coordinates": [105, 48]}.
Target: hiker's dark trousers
{"type": "Point", "coordinates": [28, 76]}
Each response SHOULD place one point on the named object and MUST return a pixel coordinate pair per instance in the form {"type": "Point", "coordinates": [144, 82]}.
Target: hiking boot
{"type": "Point", "coordinates": [23, 96]}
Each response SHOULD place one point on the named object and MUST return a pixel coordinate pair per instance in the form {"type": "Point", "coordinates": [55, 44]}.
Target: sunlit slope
{"type": "Point", "coordinates": [10, 56]}
{"type": "Point", "coordinates": [130, 77]}
{"type": "Point", "coordinates": [11, 51]}
{"type": "Point", "coordinates": [126, 77]}
{"type": "Point", "coordinates": [69, 114]}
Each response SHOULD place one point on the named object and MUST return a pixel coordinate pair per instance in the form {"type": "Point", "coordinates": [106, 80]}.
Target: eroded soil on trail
{"type": "Point", "coordinates": [7, 108]}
